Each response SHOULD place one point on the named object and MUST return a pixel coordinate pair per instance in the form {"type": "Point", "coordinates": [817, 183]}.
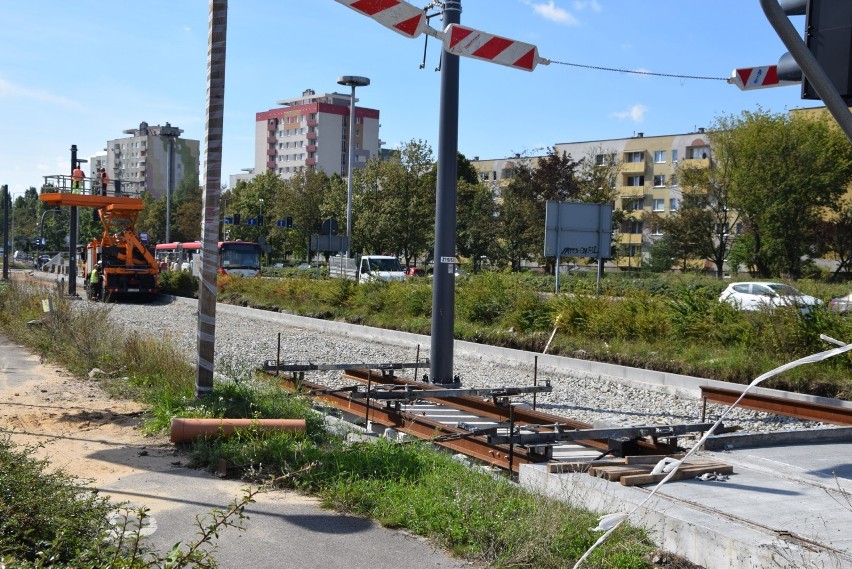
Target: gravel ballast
{"type": "Point", "coordinates": [244, 338]}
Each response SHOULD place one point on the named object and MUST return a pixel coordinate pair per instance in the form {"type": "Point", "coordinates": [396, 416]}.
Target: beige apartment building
{"type": "Point", "coordinates": [646, 179]}
{"type": "Point", "coordinates": [312, 132]}
{"type": "Point", "coordinates": [153, 159]}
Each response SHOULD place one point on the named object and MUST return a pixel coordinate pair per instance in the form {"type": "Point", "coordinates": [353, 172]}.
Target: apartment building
{"type": "Point", "coordinates": [152, 159]}
{"type": "Point", "coordinates": [646, 179]}
{"type": "Point", "coordinates": [312, 132]}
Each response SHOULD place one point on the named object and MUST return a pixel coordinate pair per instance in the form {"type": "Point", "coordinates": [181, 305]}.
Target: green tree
{"type": "Point", "coordinates": [477, 212]}
{"type": "Point", "coordinates": [834, 235]}
{"type": "Point", "coordinates": [783, 171]}
{"type": "Point", "coordinates": [396, 203]}
{"type": "Point", "coordinates": [522, 211]}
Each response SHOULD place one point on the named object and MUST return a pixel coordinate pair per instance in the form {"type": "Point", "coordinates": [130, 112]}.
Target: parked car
{"type": "Point", "coordinates": [759, 296]}
{"type": "Point", "coordinates": [415, 272]}
{"type": "Point", "coordinates": [841, 304]}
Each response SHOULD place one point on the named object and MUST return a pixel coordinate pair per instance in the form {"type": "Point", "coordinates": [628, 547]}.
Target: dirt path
{"type": "Point", "coordinates": [75, 425]}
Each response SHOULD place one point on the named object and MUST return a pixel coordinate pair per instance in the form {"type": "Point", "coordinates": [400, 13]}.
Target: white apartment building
{"type": "Point", "coordinates": [152, 159]}
{"type": "Point", "coordinates": [312, 132]}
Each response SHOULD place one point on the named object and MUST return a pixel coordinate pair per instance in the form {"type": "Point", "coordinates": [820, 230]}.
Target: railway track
{"type": "Point", "coordinates": [484, 424]}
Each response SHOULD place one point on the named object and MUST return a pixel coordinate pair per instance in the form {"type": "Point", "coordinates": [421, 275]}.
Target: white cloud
{"type": "Point", "coordinates": [590, 4]}
{"type": "Point", "coordinates": [636, 113]}
{"type": "Point", "coordinates": [550, 11]}
{"type": "Point", "coordinates": [11, 90]}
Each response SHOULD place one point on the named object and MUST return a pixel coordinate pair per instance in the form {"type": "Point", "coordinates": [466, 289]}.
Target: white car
{"type": "Point", "coordinates": [759, 296]}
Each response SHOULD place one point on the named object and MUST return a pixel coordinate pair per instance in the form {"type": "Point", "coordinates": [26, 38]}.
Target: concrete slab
{"type": "Point", "coordinates": [784, 506]}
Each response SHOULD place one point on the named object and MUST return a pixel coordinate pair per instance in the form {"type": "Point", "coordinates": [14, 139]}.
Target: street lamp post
{"type": "Point", "coordinates": [352, 81]}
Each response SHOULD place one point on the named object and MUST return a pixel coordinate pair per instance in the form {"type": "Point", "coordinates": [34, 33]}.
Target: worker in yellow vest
{"type": "Point", "coordinates": [95, 282]}
{"type": "Point", "coordinates": [77, 180]}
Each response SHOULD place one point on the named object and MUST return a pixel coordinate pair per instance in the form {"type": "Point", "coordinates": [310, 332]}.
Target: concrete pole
{"type": "Point", "coordinates": [443, 283]}
{"type": "Point", "coordinates": [216, 44]}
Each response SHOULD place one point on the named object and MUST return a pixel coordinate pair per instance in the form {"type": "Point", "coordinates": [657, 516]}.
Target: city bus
{"type": "Point", "coordinates": [239, 258]}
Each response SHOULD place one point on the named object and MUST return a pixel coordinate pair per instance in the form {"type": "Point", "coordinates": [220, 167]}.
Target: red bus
{"type": "Point", "coordinates": [240, 258]}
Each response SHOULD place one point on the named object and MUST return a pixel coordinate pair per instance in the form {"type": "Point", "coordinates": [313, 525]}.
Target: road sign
{"type": "Point", "coordinates": [749, 78]}
{"type": "Point", "coordinates": [401, 17]}
{"type": "Point", "coordinates": [452, 260]}
{"type": "Point", "coordinates": [251, 221]}
{"type": "Point", "coordinates": [468, 42]}
{"type": "Point", "coordinates": [229, 220]}
{"type": "Point", "coordinates": [329, 227]}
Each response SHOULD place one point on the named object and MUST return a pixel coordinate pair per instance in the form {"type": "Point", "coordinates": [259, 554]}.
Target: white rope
{"type": "Point", "coordinates": [610, 522]}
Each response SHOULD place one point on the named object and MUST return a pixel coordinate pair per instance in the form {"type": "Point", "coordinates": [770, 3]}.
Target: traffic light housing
{"type": "Point", "coordinates": [828, 36]}
{"type": "Point", "coordinates": [236, 219]}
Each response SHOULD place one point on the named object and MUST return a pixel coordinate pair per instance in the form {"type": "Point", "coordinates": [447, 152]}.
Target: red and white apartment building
{"type": "Point", "coordinates": [312, 132]}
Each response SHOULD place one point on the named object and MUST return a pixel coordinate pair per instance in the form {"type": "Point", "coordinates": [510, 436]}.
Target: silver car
{"type": "Point", "coordinates": [841, 304]}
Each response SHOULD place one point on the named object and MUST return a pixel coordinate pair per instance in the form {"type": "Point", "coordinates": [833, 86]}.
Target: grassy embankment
{"type": "Point", "coordinates": [672, 323]}
{"type": "Point", "coordinates": [471, 513]}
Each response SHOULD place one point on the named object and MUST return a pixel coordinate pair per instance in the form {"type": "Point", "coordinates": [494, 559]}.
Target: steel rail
{"type": "Point", "coordinates": [488, 409]}
{"type": "Point", "coordinates": [443, 435]}
{"type": "Point", "coordinates": [797, 408]}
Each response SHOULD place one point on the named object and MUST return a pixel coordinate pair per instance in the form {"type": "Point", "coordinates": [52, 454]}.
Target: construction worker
{"type": "Point", "coordinates": [104, 181]}
{"type": "Point", "coordinates": [95, 282]}
{"type": "Point", "coordinates": [77, 180]}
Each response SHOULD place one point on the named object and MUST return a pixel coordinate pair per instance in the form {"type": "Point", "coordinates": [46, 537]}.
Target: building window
{"type": "Point", "coordinates": [659, 156]}
{"type": "Point", "coordinates": [660, 181]}
{"type": "Point", "coordinates": [635, 157]}
{"type": "Point", "coordinates": [635, 181]}
{"type": "Point", "coordinates": [697, 152]}
{"type": "Point", "coordinates": [674, 156]}
{"type": "Point", "coordinates": [674, 181]}
{"type": "Point", "coordinates": [634, 226]}
{"type": "Point", "coordinates": [604, 159]}
{"type": "Point", "coordinates": [673, 204]}
{"type": "Point", "coordinates": [659, 205]}
{"type": "Point", "coordinates": [634, 205]}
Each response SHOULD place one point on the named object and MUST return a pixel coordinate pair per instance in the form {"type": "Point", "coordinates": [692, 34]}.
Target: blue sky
{"type": "Point", "coordinates": [82, 72]}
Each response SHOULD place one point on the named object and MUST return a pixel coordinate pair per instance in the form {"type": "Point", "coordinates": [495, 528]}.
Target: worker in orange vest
{"type": "Point", "coordinates": [77, 180]}
{"type": "Point", "coordinates": [104, 181]}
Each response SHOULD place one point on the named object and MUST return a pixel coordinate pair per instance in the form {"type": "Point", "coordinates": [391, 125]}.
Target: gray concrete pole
{"type": "Point", "coordinates": [216, 43]}
{"type": "Point", "coordinates": [443, 282]}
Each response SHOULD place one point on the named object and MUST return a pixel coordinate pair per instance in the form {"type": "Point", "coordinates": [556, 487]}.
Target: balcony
{"type": "Point", "coordinates": [311, 135]}
{"type": "Point", "coordinates": [271, 139]}
{"type": "Point", "coordinates": [310, 161]}
{"type": "Point", "coordinates": [311, 148]}
{"type": "Point", "coordinates": [270, 152]}
{"type": "Point", "coordinates": [633, 167]}
{"type": "Point", "coordinates": [312, 122]}
{"type": "Point", "coordinates": [695, 163]}
{"type": "Point", "coordinates": [271, 165]}
{"type": "Point", "coordinates": [627, 262]}
{"type": "Point", "coordinates": [631, 191]}
{"type": "Point", "coordinates": [630, 239]}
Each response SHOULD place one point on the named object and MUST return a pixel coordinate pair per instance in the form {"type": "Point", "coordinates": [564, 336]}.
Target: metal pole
{"type": "Point", "coordinates": [809, 64]}
{"type": "Point", "coordinates": [7, 203]}
{"type": "Point", "coordinates": [169, 182]}
{"type": "Point", "coordinates": [349, 161]}
{"type": "Point", "coordinates": [72, 241]}
{"type": "Point", "coordinates": [558, 245]}
{"type": "Point", "coordinates": [216, 44]}
{"type": "Point", "coordinates": [352, 81]}
{"type": "Point", "coordinates": [443, 284]}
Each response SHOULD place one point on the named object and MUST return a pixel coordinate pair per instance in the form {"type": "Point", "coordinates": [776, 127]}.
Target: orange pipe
{"type": "Point", "coordinates": [186, 430]}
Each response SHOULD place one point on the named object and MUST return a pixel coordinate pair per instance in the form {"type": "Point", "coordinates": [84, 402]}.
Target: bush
{"type": "Point", "coordinates": [179, 283]}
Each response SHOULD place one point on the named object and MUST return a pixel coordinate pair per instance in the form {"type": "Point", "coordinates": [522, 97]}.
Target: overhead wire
{"type": "Point", "coordinates": [638, 72]}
